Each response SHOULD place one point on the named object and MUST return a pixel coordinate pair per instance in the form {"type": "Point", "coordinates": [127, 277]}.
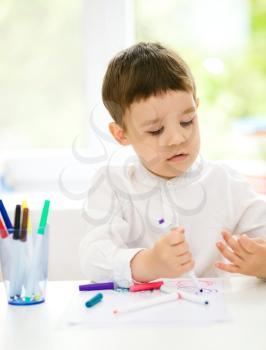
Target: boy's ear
{"type": "Point", "coordinates": [197, 102]}
{"type": "Point", "coordinates": [118, 133]}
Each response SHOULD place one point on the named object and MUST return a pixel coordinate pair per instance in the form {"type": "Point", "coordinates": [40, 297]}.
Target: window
{"type": "Point", "coordinates": [224, 44]}
{"type": "Point", "coordinates": [42, 73]}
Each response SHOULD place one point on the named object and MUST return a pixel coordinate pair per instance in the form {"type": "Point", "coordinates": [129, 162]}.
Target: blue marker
{"type": "Point", "coordinates": [6, 217]}
{"type": "Point", "coordinates": [94, 300]}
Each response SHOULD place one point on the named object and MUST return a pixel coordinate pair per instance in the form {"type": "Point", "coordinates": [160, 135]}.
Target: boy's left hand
{"type": "Point", "coordinates": [247, 255]}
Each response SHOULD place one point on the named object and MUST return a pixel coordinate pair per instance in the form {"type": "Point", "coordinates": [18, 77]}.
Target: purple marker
{"type": "Point", "coordinates": [97, 286]}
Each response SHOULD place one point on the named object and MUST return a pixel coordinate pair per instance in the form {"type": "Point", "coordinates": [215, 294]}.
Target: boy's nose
{"type": "Point", "coordinates": [175, 136]}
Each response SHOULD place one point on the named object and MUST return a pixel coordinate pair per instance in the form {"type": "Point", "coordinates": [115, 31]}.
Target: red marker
{"type": "Point", "coordinates": [3, 231]}
{"type": "Point", "coordinates": [145, 286]}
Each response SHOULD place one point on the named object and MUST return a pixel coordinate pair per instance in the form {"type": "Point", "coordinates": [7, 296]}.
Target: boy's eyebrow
{"type": "Point", "coordinates": [155, 120]}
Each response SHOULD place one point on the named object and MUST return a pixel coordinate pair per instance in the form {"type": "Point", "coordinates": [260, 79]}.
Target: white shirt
{"type": "Point", "coordinates": [126, 203]}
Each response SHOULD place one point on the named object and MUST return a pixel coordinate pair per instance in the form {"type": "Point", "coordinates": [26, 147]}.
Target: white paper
{"type": "Point", "coordinates": [180, 312]}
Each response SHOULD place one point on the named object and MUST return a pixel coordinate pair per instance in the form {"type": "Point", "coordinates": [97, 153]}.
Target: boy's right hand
{"type": "Point", "coordinates": [170, 257]}
{"type": "Point", "coordinates": [171, 254]}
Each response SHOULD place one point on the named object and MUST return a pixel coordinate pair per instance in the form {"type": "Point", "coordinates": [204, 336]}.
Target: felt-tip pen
{"type": "Point", "coordinates": [97, 286]}
{"type": "Point", "coordinates": [138, 287]}
{"type": "Point", "coordinates": [94, 300]}
{"type": "Point", "coordinates": [191, 273]}
{"type": "Point", "coordinates": [5, 217]}
{"type": "Point", "coordinates": [3, 231]}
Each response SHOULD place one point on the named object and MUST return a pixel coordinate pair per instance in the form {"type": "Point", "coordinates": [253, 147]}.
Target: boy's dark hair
{"type": "Point", "coordinates": [141, 71]}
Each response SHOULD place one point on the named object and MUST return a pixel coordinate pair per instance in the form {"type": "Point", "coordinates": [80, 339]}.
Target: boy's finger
{"type": "Point", "coordinates": [180, 249]}
{"type": "Point", "coordinates": [259, 241]}
{"type": "Point", "coordinates": [175, 236]}
{"type": "Point", "coordinates": [233, 243]}
{"type": "Point", "coordinates": [249, 245]}
{"type": "Point", "coordinates": [227, 267]}
{"type": "Point", "coordinates": [184, 259]}
{"type": "Point", "coordinates": [188, 266]}
{"type": "Point", "coordinates": [229, 255]}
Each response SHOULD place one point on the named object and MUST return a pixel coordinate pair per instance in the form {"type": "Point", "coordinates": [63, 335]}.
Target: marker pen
{"type": "Point", "coordinates": [5, 217]}
{"type": "Point", "coordinates": [191, 273]}
{"type": "Point", "coordinates": [3, 231]}
{"type": "Point", "coordinates": [185, 295]}
{"type": "Point", "coordinates": [97, 286]}
{"type": "Point", "coordinates": [138, 287]}
{"type": "Point", "coordinates": [157, 301]}
{"type": "Point", "coordinates": [94, 300]}
{"type": "Point", "coordinates": [16, 233]}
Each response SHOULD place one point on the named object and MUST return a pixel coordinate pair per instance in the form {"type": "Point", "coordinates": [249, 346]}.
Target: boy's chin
{"type": "Point", "coordinates": [168, 173]}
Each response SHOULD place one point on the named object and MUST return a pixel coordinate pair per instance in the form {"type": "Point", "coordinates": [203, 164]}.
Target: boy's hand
{"type": "Point", "coordinates": [247, 255]}
{"type": "Point", "coordinates": [170, 257]}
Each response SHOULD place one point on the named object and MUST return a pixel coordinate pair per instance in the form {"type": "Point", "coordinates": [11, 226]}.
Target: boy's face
{"type": "Point", "coordinates": [164, 132]}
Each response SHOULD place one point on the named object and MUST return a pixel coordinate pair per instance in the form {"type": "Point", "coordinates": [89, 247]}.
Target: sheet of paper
{"type": "Point", "coordinates": [180, 312]}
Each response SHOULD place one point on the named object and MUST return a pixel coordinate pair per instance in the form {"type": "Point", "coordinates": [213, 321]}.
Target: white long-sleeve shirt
{"type": "Point", "coordinates": [126, 203]}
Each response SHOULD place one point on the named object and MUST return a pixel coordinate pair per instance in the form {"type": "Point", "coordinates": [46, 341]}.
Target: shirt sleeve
{"type": "Point", "coordinates": [249, 208]}
{"type": "Point", "coordinates": [104, 254]}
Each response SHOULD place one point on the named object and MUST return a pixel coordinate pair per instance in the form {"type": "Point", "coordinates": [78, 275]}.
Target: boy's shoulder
{"type": "Point", "coordinates": [123, 172]}
{"type": "Point", "coordinates": [116, 176]}
{"type": "Point", "coordinates": [222, 166]}
{"type": "Point", "coordinates": [225, 171]}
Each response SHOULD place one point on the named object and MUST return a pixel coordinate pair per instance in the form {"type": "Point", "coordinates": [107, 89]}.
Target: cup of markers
{"type": "Point", "coordinates": [24, 255]}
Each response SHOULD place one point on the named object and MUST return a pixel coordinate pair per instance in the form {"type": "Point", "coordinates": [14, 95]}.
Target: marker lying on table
{"type": "Point", "coordinates": [94, 300]}
{"type": "Point", "coordinates": [163, 299]}
{"type": "Point", "coordinates": [191, 274]}
{"type": "Point", "coordinates": [138, 287]}
{"type": "Point", "coordinates": [97, 286]}
{"type": "Point", "coordinates": [184, 295]}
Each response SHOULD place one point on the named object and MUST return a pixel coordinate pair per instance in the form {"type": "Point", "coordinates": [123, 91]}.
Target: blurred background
{"type": "Point", "coordinates": [54, 54]}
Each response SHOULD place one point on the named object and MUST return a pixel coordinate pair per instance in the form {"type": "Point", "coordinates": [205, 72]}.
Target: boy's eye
{"type": "Point", "coordinates": [184, 124]}
{"type": "Point", "coordinates": [156, 132]}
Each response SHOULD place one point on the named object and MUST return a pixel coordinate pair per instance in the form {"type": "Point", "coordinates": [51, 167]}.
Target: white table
{"type": "Point", "coordinates": [36, 327]}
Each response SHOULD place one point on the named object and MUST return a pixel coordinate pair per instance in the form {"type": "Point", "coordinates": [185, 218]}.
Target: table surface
{"type": "Point", "coordinates": [36, 327]}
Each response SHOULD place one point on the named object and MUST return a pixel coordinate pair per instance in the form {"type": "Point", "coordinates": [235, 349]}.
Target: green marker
{"type": "Point", "coordinates": [44, 217]}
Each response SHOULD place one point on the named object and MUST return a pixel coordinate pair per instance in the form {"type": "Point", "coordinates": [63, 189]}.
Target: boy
{"type": "Point", "coordinates": [151, 95]}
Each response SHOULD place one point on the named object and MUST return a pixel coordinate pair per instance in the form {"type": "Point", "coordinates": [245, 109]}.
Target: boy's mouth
{"type": "Point", "coordinates": [178, 157]}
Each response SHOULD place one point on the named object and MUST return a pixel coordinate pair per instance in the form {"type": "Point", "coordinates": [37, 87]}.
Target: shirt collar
{"type": "Point", "coordinates": [144, 176]}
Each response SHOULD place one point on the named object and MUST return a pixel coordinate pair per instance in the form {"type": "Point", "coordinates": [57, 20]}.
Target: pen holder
{"type": "Point", "coordinates": [24, 265]}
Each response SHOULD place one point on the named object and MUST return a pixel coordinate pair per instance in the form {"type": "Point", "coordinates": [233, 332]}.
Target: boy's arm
{"type": "Point", "coordinates": [247, 253]}
{"type": "Point", "coordinates": [249, 209]}
{"type": "Point", "coordinates": [103, 252]}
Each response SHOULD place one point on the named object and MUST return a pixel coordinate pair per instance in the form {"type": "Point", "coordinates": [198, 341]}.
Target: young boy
{"type": "Point", "coordinates": [151, 95]}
